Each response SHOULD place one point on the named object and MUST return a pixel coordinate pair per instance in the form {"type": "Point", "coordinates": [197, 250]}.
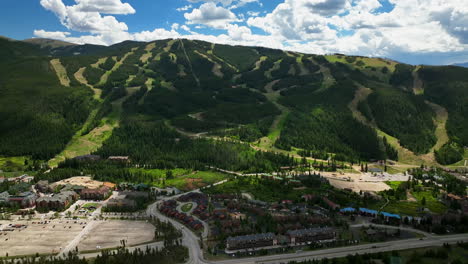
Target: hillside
{"type": "Point", "coordinates": [137, 99]}
{"type": "Point", "coordinates": [48, 43]}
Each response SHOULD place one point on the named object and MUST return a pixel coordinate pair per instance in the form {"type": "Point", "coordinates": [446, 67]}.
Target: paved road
{"type": "Point", "coordinates": [88, 228]}
{"type": "Point", "coordinates": [74, 243]}
{"type": "Point", "coordinates": [360, 249]}
{"type": "Point", "coordinates": [190, 240]}
{"type": "Point", "coordinates": [426, 234]}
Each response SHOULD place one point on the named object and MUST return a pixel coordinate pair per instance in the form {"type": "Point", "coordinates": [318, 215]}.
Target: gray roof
{"type": "Point", "coordinates": [4, 195]}
{"type": "Point", "coordinates": [255, 237]}
{"type": "Point", "coordinates": [44, 182]}
{"type": "Point", "coordinates": [310, 231]}
{"type": "Point", "coordinates": [61, 197]}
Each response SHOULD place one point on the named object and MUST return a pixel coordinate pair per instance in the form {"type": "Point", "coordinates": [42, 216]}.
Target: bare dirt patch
{"type": "Point", "coordinates": [359, 186]}
{"type": "Point", "coordinates": [440, 121]}
{"type": "Point", "coordinates": [150, 47]}
{"type": "Point", "coordinates": [80, 78]}
{"type": "Point", "coordinates": [145, 57]}
{"type": "Point", "coordinates": [61, 72]}
{"type": "Point", "coordinates": [85, 181]}
{"type": "Point", "coordinates": [52, 237]}
{"type": "Point", "coordinates": [193, 184]}
{"type": "Point", "coordinates": [302, 68]}
{"type": "Point", "coordinates": [366, 182]}
{"type": "Point", "coordinates": [38, 238]}
{"type": "Point", "coordinates": [361, 94]}
{"type": "Point", "coordinates": [417, 83]}
{"type": "Point", "coordinates": [99, 62]}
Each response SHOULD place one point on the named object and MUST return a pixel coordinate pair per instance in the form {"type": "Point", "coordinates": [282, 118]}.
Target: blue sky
{"type": "Point", "coordinates": [412, 31]}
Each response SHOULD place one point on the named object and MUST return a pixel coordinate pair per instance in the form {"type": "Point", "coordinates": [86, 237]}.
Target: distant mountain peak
{"type": "Point", "coordinates": [461, 64]}
{"type": "Point", "coordinates": [49, 43]}
{"type": "Point", "coordinates": [3, 37]}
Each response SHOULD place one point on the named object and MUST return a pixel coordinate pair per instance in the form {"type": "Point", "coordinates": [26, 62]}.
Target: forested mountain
{"type": "Point", "coordinates": [175, 102]}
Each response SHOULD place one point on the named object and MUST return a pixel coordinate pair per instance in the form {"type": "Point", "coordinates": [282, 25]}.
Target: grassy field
{"type": "Point", "coordinates": [394, 184]}
{"type": "Point", "coordinates": [80, 78]}
{"type": "Point", "coordinates": [99, 62]}
{"type": "Point", "coordinates": [371, 62]}
{"type": "Point", "coordinates": [195, 180]}
{"type": "Point", "coordinates": [19, 161]}
{"type": "Point", "coordinates": [61, 72]}
{"type": "Point", "coordinates": [411, 208]}
{"type": "Point", "coordinates": [83, 144]}
{"type": "Point", "coordinates": [183, 179]}
{"type": "Point", "coordinates": [159, 173]}
{"type": "Point", "coordinates": [89, 205]}
{"type": "Point", "coordinates": [187, 207]}
{"type": "Point", "coordinates": [12, 166]}
{"type": "Point", "coordinates": [271, 192]}
{"type": "Point", "coordinates": [116, 67]}
{"type": "Point", "coordinates": [462, 162]}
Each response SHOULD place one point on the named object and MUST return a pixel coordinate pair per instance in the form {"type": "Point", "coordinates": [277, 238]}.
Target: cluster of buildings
{"type": "Point", "coordinates": [126, 201]}
{"type": "Point", "coordinates": [100, 193]}
{"type": "Point", "coordinates": [201, 200]}
{"type": "Point", "coordinates": [369, 213]}
{"type": "Point", "coordinates": [169, 208]}
{"type": "Point", "coordinates": [68, 195]}
{"type": "Point", "coordinates": [56, 202]}
{"type": "Point", "coordinates": [23, 178]}
{"type": "Point", "coordinates": [290, 238]}
{"type": "Point", "coordinates": [21, 200]}
{"type": "Point", "coordinates": [229, 210]}
{"type": "Point", "coordinates": [45, 197]}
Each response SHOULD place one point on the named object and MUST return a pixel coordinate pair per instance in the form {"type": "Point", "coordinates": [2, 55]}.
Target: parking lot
{"type": "Point", "coordinates": [50, 237]}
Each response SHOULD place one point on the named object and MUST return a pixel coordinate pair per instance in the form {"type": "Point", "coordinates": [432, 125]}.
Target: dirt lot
{"type": "Point", "coordinates": [37, 238]}
{"type": "Point", "coordinates": [52, 237]}
{"type": "Point", "coordinates": [363, 181]}
{"type": "Point", "coordinates": [81, 181]}
{"type": "Point", "coordinates": [108, 234]}
{"type": "Point", "coordinates": [357, 186]}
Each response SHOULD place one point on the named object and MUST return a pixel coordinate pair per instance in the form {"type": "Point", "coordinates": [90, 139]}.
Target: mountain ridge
{"type": "Point", "coordinates": [49, 43]}
{"type": "Point", "coordinates": [285, 102]}
{"type": "Point", "coordinates": [461, 64]}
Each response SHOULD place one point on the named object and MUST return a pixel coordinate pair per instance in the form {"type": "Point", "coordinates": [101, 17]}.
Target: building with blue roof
{"type": "Point", "coordinates": [389, 215]}
{"type": "Point", "coordinates": [348, 210]}
{"type": "Point", "coordinates": [368, 211]}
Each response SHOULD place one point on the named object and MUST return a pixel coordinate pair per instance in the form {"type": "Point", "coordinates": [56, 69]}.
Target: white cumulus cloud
{"type": "Point", "coordinates": [429, 31]}
{"type": "Point", "coordinates": [211, 15]}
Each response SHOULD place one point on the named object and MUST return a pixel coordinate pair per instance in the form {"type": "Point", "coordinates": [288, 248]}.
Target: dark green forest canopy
{"type": "Point", "coordinates": [321, 121]}
{"type": "Point", "coordinates": [404, 116]}
{"type": "Point", "coordinates": [448, 86]}
{"type": "Point", "coordinates": [240, 92]}
{"type": "Point", "coordinates": [38, 115]}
